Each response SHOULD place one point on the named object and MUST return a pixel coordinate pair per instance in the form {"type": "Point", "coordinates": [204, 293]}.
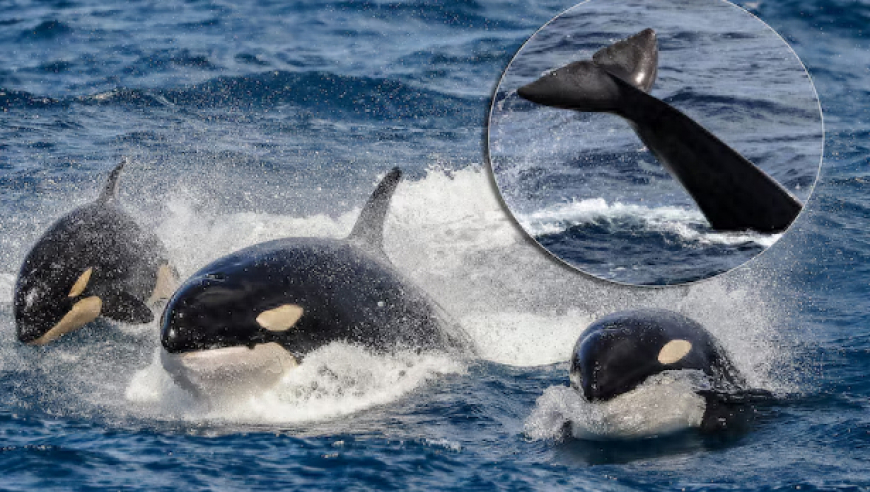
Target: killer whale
{"type": "Point", "coordinates": [732, 193]}
{"type": "Point", "coordinates": [245, 319]}
{"type": "Point", "coordinates": [94, 261]}
{"type": "Point", "coordinates": [618, 353]}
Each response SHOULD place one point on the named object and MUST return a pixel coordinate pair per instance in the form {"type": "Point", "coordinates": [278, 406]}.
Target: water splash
{"type": "Point", "coordinates": [689, 225]}
{"type": "Point", "coordinates": [664, 404]}
{"type": "Point", "coordinates": [450, 235]}
{"type": "Point", "coordinates": [334, 381]}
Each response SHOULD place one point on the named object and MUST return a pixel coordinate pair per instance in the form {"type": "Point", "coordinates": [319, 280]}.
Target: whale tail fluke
{"type": "Point", "coordinates": [634, 60]}
{"type": "Point", "coordinates": [731, 191]}
{"type": "Point", "coordinates": [732, 411]}
{"type": "Point", "coordinates": [588, 86]}
{"type": "Point", "coordinates": [369, 227]}
{"type": "Point", "coordinates": [581, 86]}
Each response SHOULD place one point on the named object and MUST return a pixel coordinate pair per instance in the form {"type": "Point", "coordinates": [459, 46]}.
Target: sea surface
{"type": "Point", "coordinates": [248, 121]}
{"type": "Point", "coordinates": [589, 191]}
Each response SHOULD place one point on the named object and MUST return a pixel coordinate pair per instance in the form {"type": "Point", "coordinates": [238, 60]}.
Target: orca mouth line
{"type": "Point", "coordinates": [241, 356]}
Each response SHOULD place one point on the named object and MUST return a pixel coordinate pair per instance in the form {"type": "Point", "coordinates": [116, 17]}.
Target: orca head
{"type": "Point", "coordinates": [234, 325]}
{"type": "Point", "coordinates": [617, 353]}
{"type": "Point", "coordinates": [228, 305]}
{"type": "Point", "coordinates": [50, 302]}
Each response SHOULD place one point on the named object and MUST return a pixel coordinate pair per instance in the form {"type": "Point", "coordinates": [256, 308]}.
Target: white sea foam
{"type": "Point", "coordinates": [508, 337]}
{"type": "Point", "coordinates": [450, 235]}
{"type": "Point", "coordinates": [7, 285]}
{"type": "Point", "coordinates": [333, 381]}
{"type": "Point", "coordinates": [689, 225]}
{"type": "Point", "coordinates": [664, 404]}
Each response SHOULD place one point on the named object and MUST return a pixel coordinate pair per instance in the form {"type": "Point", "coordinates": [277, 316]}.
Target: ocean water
{"type": "Point", "coordinates": [590, 192]}
{"type": "Point", "coordinates": [251, 121]}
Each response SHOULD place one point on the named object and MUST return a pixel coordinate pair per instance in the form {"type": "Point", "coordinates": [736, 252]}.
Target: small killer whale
{"type": "Point", "coordinates": [619, 352]}
{"type": "Point", "coordinates": [94, 261]}
{"type": "Point", "coordinates": [244, 320]}
{"type": "Point", "coordinates": [732, 192]}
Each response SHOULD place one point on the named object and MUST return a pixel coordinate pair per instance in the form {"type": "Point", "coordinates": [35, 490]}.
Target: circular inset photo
{"type": "Point", "coordinates": [655, 143]}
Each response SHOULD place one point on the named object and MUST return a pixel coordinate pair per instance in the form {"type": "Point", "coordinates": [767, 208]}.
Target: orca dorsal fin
{"type": "Point", "coordinates": [110, 192]}
{"type": "Point", "coordinates": [369, 227]}
{"type": "Point", "coordinates": [634, 59]}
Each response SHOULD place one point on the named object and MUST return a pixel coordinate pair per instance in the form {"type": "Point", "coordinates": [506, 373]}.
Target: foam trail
{"type": "Point", "coordinates": [521, 307]}
{"type": "Point", "coordinates": [334, 381]}
{"type": "Point", "coordinates": [664, 404]}
{"type": "Point", "coordinates": [689, 225]}
{"type": "Point", "coordinates": [450, 235]}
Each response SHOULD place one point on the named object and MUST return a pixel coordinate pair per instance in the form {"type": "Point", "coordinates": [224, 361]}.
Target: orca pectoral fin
{"type": "Point", "coordinates": [126, 308]}
{"type": "Point", "coordinates": [110, 192]}
{"type": "Point", "coordinates": [737, 397]}
{"type": "Point", "coordinates": [369, 227]}
{"type": "Point", "coordinates": [634, 59]}
{"type": "Point", "coordinates": [731, 411]}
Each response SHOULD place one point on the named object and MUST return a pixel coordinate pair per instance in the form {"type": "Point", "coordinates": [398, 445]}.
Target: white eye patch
{"type": "Point", "coordinates": [674, 350]}
{"type": "Point", "coordinates": [81, 283]}
{"type": "Point", "coordinates": [281, 318]}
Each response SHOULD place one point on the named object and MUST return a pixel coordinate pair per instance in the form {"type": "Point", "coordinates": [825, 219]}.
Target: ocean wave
{"type": "Point", "coordinates": [726, 105]}
{"type": "Point", "coordinates": [14, 98]}
{"type": "Point", "coordinates": [368, 98]}
{"type": "Point", "coordinates": [46, 30]}
{"type": "Point", "coordinates": [457, 13]}
{"type": "Point", "coordinates": [170, 59]}
{"type": "Point", "coordinates": [689, 225]}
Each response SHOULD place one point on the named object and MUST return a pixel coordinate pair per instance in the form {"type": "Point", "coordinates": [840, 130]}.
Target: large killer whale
{"type": "Point", "coordinates": [244, 320]}
{"type": "Point", "coordinates": [618, 353]}
{"type": "Point", "coordinates": [94, 261]}
{"type": "Point", "coordinates": [732, 192]}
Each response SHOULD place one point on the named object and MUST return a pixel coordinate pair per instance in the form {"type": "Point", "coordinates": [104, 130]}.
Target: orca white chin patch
{"type": "Point", "coordinates": [82, 313]}
{"type": "Point", "coordinates": [229, 371]}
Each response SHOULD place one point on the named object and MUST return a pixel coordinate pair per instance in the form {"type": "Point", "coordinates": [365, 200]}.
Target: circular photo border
{"type": "Point", "coordinates": [598, 124]}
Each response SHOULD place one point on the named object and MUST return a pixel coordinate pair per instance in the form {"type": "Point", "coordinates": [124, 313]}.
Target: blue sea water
{"type": "Point", "coordinates": [252, 121]}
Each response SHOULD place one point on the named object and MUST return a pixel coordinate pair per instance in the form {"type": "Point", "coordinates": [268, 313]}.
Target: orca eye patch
{"type": "Point", "coordinates": [81, 283]}
{"type": "Point", "coordinates": [281, 318]}
{"type": "Point", "coordinates": [674, 350]}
